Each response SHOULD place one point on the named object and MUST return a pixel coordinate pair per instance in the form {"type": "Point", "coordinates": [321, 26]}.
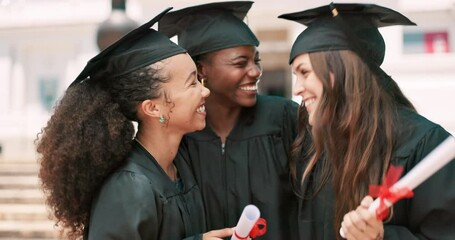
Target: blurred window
{"type": "Point", "coordinates": [426, 42]}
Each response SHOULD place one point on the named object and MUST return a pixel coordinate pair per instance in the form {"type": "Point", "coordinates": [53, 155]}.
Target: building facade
{"type": "Point", "coordinates": [44, 44]}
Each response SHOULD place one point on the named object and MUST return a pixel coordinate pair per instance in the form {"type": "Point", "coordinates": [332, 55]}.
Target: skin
{"type": "Point", "coordinates": [183, 108]}
{"type": "Point", "coordinates": [185, 95]}
{"type": "Point", "coordinates": [307, 85]}
{"type": "Point", "coordinates": [362, 224]}
{"type": "Point", "coordinates": [232, 76]}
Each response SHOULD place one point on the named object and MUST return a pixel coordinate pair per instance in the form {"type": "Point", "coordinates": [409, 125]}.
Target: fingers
{"type": "Point", "coordinates": [362, 224]}
{"type": "Point", "coordinates": [366, 202]}
{"type": "Point", "coordinates": [218, 234]}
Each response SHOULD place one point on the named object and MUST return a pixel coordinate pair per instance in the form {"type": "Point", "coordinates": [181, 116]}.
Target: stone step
{"type": "Point", "coordinates": [7, 169]}
{"type": "Point", "coordinates": [21, 196]}
{"type": "Point", "coordinates": [19, 182]}
{"type": "Point", "coordinates": [26, 212]}
{"type": "Point", "coordinates": [28, 230]}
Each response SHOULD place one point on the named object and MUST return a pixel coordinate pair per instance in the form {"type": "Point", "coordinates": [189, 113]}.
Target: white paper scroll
{"type": "Point", "coordinates": [434, 161]}
{"type": "Point", "coordinates": [248, 219]}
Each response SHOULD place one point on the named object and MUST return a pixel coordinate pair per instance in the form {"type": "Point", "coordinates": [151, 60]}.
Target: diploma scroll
{"type": "Point", "coordinates": [434, 161]}
{"type": "Point", "coordinates": [247, 221]}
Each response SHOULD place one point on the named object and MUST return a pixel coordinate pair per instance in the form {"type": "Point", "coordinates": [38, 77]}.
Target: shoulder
{"type": "Point", "coordinates": [273, 107]}
{"type": "Point", "coordinates": [127, 183]}
{"type": "Point", "coordinates": [417, 134]}
{"type": "Point", "coordinates": [275, 101]}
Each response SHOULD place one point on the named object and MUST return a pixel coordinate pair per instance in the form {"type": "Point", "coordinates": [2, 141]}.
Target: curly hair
{"type": "Point", "coordinates": [87, 138]}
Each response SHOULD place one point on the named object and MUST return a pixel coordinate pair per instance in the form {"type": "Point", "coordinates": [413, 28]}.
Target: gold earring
{"type": "Point", "coordinates": [203, 81]}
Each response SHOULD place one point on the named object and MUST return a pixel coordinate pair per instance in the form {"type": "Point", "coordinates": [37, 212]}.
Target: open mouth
{"type": "Point", "coordinates": [201, 109]}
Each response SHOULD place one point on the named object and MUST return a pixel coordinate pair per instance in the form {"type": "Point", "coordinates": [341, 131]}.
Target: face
{"type": "Point", "coordinates": [184, 95]}
{"type": "Point", "coordinates": [232, 76]}
{"type": "Point", "coordinates": [307, 85]}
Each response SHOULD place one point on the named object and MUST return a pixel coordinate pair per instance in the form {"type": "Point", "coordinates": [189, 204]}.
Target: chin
{"type": "Point", "coordinates": [248, 103]}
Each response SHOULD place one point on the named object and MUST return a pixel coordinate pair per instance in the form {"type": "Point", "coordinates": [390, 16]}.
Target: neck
{"type": "Point", "coordinates": [221, 118]}
{"type": "Point", "coordinates": [162, 145]}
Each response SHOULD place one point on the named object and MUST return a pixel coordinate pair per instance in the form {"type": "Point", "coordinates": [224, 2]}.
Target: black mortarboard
{"type": "Point", "coordinates": [209, 27]}
{"type": "Point", "coordinates": [358, 32]}
{"type": "Point", "coordinates": [139, 48]}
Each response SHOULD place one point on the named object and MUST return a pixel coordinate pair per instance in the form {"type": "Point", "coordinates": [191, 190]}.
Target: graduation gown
{"type": "Point", "coordinates": [252, 167]}
{"type": "Point", "coordinates": [139, 201]}
{"type": "Point", "coordinates": [430, 214]}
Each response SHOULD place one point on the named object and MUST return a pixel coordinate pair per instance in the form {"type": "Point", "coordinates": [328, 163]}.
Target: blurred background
{"type": "Point", "coordinates": [44, 44]}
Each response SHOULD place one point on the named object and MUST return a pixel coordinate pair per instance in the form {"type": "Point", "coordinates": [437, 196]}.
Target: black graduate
{"type": "Point", "coordinates": [241, 156]}
{"type": "Point", "coordinates": [105, 180]}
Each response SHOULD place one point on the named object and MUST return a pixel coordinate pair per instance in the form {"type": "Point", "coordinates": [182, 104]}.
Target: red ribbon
{"type": "Point", "coordinates": [259, 229]}
{"type": "Point", "coordinates": [384, 193]}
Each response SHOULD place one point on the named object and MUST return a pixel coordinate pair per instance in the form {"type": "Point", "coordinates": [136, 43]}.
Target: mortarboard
{"type": "Point", "coordinates": [139, 48]}
{"type": "Point", "coordinates": [358, 30]}
{"type": "Point", "coordinates": [209, 27]}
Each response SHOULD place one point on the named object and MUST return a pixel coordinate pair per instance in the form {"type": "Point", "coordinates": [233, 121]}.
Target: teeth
{"type": "Point", "coordinates": [201, 109]}
{"type": "Point", "coordinates": [309, 102]}
{"type": "Point", "coordinates": [249, 88]}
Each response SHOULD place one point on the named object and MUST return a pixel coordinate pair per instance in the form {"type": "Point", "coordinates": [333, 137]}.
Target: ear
{"type": "Point", "coordinates": [149, 108]}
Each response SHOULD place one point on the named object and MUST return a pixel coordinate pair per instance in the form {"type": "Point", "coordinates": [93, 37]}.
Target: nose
{"type": "Point", "coordinates": [298, 88]}
{"type": "Point", "coordinates": [205, 92]}
{"type": "Point", "coordinates": [255, 71]}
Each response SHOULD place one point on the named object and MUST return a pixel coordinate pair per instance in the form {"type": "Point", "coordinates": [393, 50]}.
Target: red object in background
{"type": "Point", "coordinates": [436, 42]}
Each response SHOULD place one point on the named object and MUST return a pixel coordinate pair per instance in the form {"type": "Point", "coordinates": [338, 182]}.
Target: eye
{"type": "Point", "coordinates": [195, 82]}
{"type": "Point", "coordinates": [241, 64]}
{"type": "Point", "coordinates": [257, 61]}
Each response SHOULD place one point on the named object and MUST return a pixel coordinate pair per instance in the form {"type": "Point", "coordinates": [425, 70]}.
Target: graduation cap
{"type": "Point", "coordinates": [139, 48]}
{"type": "Point", "coordinates": [345, 27]}
{"type": "Point", "coordinates": [209, 27]}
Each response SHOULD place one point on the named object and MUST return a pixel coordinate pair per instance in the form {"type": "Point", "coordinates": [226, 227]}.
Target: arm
{"type": "Point", "coordinates": [430, 214]}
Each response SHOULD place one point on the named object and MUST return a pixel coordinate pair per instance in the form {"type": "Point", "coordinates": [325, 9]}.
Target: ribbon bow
{"type": "Point", "coordinates": [259, 229]}
{"type": "Point", "coordinates": [384, 191]}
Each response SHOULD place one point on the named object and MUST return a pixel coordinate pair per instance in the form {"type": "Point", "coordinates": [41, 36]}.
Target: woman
{"type": "Point", "coordinates": [241, 157]}
{"type": "Point", "coordinates": [361, 124]}
{"type": "Point", "coordinates": [102, 184]}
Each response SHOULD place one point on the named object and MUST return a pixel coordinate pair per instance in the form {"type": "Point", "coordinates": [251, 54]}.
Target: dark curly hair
{"type": "Point", "coordinates": [87, 138]}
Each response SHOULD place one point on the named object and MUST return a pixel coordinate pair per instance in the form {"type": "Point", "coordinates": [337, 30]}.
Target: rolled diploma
{"type": "Point", "coordinates": [434, 161]}
{"type": "Point", "coordinates": [248, 219]}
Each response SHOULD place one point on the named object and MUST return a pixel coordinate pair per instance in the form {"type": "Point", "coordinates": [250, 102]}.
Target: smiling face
{"type": "Point", "coordinates": [307, 85]}
{"type": "Point", "coordinates": [184, 95]}
{"type": "Point", "coordinates": [232, 75]}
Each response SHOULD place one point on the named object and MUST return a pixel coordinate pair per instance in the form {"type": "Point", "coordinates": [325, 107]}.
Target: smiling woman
{"type": "Point", "coordinates": [101, 183]}
{"type": "Point", "coordinates": [241, 156]}
{"type": "Point", "coordinates": [361, 125]}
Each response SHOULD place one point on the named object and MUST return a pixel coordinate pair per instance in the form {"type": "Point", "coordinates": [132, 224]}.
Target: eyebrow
{"type": "Point", "coordinates": [189, 78]}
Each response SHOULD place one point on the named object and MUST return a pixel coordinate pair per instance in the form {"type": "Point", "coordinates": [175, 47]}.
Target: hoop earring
{"type": "Point", "coordinates": [162, 120]}
{"type": "Point", "coordinates": [203, 80]}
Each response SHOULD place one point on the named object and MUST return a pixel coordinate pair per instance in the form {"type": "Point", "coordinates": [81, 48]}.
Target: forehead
{"type": "Point", "coordinates": [301, 60]}
{"type": "Point", "coordinates": [234, 52]}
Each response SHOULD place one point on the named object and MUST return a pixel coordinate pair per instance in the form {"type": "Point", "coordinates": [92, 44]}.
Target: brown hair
{"type": "Point", "coordinates": [355, 128]}
{"type": "Point", "coordinates": [87, 138]}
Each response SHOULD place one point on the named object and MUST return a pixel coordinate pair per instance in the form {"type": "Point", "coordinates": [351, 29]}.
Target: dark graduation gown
{"type": "Point", "coordinates": [139, 201]}
{"type": "Point", "coordinates": [430, 214]}
{"type": "Point", "coordinates": [252, 170]}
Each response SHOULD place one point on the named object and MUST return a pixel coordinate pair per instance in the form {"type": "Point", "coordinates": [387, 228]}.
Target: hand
{"type": "Point", "coordinates": [218, 234]}
{"type": "Point", "coordinates": [362, 224]}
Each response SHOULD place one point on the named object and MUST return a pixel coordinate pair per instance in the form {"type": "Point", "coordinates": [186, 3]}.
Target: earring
{"type": "Point", "coordinates": [162, 119]}
{"type": "Point", "coordinates": [203, 79]}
